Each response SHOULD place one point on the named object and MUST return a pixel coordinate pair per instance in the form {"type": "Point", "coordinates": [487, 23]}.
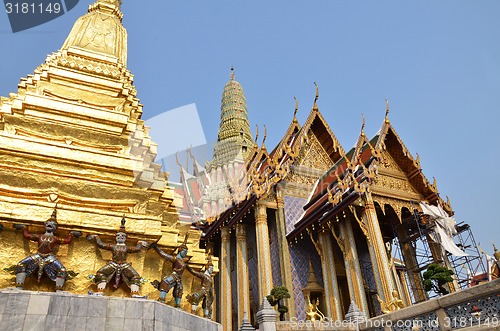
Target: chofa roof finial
{"type": "Point", "coordinates": [315, 107]}
{"type": "Point", "coordinates": [296, 110]}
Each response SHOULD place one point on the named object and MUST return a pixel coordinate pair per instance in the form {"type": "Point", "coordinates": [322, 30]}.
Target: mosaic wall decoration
{"type": "Point", "coordinates": [293, 211]}
{"type": "Point", "coordinates": [252, 266]}
{"type": "Point", "coordinates": [300, 254]}
{"type": "Point", "coordinates": [234, 292]}
{"type": "Point", "coordinates": [275, 256]}
{"type": "Point", "coordinates": [367, 270]}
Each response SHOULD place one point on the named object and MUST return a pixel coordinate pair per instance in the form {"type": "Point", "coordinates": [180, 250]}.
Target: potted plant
{"type": "Point", "coordinates": [278, 293]}
{"type": "Point", "coordinates": [436, 277]}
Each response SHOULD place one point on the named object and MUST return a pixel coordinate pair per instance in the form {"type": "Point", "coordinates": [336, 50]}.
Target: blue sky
{"type": "Point", "coordinates": [438, 63]}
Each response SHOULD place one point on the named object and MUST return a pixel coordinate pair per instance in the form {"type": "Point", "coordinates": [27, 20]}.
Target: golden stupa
{"type": "Point", "coordinates": [72, 136]}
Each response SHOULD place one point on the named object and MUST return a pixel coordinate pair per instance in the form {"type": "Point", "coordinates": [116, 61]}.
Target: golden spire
{"type": "Point", "coordinates": [296, 110]}
{"type": "Point", "coordinates": [100, 34]}
{"type": "Point", "coordinates": [234, 135]}
{"type": "Point", "coordinates": [315, 107]}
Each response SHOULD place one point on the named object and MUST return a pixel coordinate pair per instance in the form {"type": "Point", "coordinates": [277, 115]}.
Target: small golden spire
{"type": "Point", "coordinates": [232, 73]}
{"type": "Point", "coordinates": [188, 150]}
{"type": "Point", "coordinates": [177, 159]}
{"type": "Point", "coordinates": [387, 109]}
{"type": "Point", "coordinates": [265, 136]}
{"type": "Point", "coordinates": [256, 133]}
{"type": "Point", "coordinates": [363, 124]}
{"type": "Point", "coordinates": [296, 110]}
{"type": "Point", "coordinates": [108, 6]}
{"type": "Point", "coordinates": [315, 107]}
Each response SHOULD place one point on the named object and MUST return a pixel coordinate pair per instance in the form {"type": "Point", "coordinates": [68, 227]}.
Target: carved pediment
{"type": "Point", "coordinates": [391, 181]}
{"type": "Point", "coordinates": [313, 155]}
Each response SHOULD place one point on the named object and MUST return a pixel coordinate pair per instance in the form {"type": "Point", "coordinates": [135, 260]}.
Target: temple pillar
{"type": "Point", "coordinates": [284, 253]}
{"type": "Point", "coordinates": [331, 288]}
{"type": "Point", "coordinates": [405, 294]}
{"type": "Point", "coordinates": [379, 252]}
{"type": "Point", "coordinates": [353, 270]}
{"type": "Point", "coordinates": [243, 285]}
{"type": "Point", "coordinates": [265, 276]}
{"type": "Point", "coordinates": [225, 280]}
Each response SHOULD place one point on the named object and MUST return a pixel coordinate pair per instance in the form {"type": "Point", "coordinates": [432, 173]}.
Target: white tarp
{"type": "Point", "coordinates": [490, 262]}
{"type": "Point", "coordinates": [445, 228]}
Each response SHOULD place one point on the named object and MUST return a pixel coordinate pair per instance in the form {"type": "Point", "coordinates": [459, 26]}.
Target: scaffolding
{"type": "Point", "coordinates": [469, 270]}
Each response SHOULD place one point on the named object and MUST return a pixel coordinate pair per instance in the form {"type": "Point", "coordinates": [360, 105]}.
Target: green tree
{"type": "Point", "coordinates": [278, 293]}
{"type": "Point", "coordinates": [436, 277]}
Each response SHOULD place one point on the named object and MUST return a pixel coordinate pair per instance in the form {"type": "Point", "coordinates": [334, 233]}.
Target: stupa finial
{"type": "Point", "coordinates": [107, 6]}
{"type": "Point", "coordinates": [232, 73]}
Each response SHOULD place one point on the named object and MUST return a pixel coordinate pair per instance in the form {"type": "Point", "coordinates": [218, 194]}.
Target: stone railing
{"type": "Point", "coordinates": [475, 308]}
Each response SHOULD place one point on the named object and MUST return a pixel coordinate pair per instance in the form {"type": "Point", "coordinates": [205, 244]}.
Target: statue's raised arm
{"type": "Point", "coordinates": [118, 268]}
{"type": "Point", "coordinates": [174, 280]}
{"type": "Point", "coordinates": [206, 293]}
{"type": "Point", "coordinates": [44, 260]}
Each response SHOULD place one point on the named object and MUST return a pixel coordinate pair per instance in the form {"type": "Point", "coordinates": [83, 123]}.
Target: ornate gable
{"type": "Point", "coordinates": [313, 155]}
{"type": "Point", "coordinates": [393, 182]}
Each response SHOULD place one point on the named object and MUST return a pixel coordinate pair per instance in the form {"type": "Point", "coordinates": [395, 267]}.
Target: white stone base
{"type": "Point", "coordinates": [27, 310]}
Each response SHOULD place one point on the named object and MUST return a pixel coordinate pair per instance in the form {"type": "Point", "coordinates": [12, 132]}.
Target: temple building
{"type": "Point", "coordinates": [333, 227]}
{"type": "Point", "coordinates": [72, 138]}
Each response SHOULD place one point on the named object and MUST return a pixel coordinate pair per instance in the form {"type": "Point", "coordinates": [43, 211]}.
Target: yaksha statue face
{"type": "Point", "coordinates": [184, 252]}
{"type": "Point", "coordinates": [210, 269]}
{"type": "Point", "coordinates": [121, 238]}
{"type": "Point", "coordinates": [50, 226]}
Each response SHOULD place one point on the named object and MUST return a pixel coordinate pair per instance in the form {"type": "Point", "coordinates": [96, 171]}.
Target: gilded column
{"type": "Point", "coordinates": [380, 254]}
{"type": "Point", "coordinates": [285, 267]}
{"type": "Point", "coordinates": [332, 294]}
{"type": "Point", "coordinates": [243, 286]}
{"type": "Point", "coordinates": [353, 270]}
{"type": "Point", "coordinates": [264, 268]}
{"type": "Point", "coordinates": [225, 280]}
{"type": "Point", "coordinates": [373, 259]}
{"type": "Point", "coordinates": [406, 293]}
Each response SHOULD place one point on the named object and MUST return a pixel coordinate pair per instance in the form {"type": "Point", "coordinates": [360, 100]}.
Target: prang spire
{"type": "Point", "coordinates": [234, 139]}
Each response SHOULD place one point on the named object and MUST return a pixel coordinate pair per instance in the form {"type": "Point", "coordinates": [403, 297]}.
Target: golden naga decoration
{"type": "Point", "coordinates": [334, 198]}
